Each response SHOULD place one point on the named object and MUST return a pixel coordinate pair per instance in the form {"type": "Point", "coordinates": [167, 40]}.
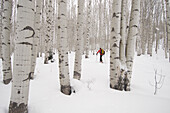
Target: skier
{"type": "Point", "coordinates": [102, 52]}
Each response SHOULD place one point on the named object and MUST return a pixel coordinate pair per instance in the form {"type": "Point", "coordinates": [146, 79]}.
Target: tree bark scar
{"type": "Point", "coordinates": [134, 26]}
{"type": "Point", "coordinates": [31, 29]}
{"type": "Point", "coordinates": [6, 28]}
{"type": "Point", "coordinates": [136, 10]}
{"type": "Point", "coordinates": [18, 6]}
{"type": "Point", "coordinates": [62, 1]}
{"type": "Point", "coordinates": [113, 29]}
{"type": "Point", "coordinates": [29, 77]}
{"type": "Point", "coordinates": [26, 43]}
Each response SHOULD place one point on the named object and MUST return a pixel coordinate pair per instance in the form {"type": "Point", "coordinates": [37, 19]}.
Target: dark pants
{"type": "Point", "coordinates": [101, 58]}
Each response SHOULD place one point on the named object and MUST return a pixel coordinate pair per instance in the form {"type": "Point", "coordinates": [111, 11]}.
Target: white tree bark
{"type": "Point", "coordinates": [104, 26]}
{"type": "Point", "coordinates": [79, 43]}
{"type": "Point", "coordinates": [58, 26]}
{"type": "Point", "coordinates": [94, 21]}
{"type": "Point", "coordinates": [123, 32]}
{"type": "Point", "coordinates": [143, 26]}
{"type": "Point", "coordinates": [6, 59]}
{"type": "Point", "coordinates": [164, 28]}
{"type": "Point", "coordinates": [0, 28]}
{"type": "Point", "coordinates": [150, 39]}
{"type": "Point", "coordinates": [133, 33]}
{"type": "Point", "coordinates": [168, 24]}
{"type": "Point", "coordinates": [49, 33]}
{"type": "Point", "coordinates": [43, 26]}
{"type": "Point", "coordinates": [88, 28]}
{"type": "Point", "coordinates": [63, 49]}
{"type": "Point", "coordinates": [38, 15]}
{"type": "Point", "coordinates": [100, 24]}
{"type": "Point", "coordinates": [114, 44]}
{"type": "Point", "coordinates": [36, 37]}
{"type": "Point", "coordinates": [22, 56]}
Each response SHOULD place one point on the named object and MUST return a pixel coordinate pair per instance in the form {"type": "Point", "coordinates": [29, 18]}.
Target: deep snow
{"type": "Point", "coordinates": [93, 94]}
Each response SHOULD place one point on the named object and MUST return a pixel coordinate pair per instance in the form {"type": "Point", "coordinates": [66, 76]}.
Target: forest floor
{"type": "Point", "coordinates": [93, 94]}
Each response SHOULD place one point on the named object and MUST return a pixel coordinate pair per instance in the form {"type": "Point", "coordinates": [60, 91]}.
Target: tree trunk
{"type": "Point", "coordinates": [150, 39]}
{"type": "Point", "coordinates": [143, 27]}
{"type": "Point", "coordinates": [49, 34]}
{"type": "Point", "coordinates": [36, 37]}
{"type": "Point", "coordinates": [1, 5]}
{"type": "Point", "coordinates": [63, 49]}
{"type": "Point", "coordinates": [38, 15]}
{"type": "Point", "coordinates": [168, 24]}
{"type": "Point", "coordinates": [164, 28]}
{"type": "Point", "coordinates": [42, 30]}
{"type": "Point", "coordinates": [123, 32]}
{"type": "Point", "coordinates": [133, 33]}
{"type": "Point", "coordinates": [79, 43]}
{"type": "Point", "coordinates": [1, 28]}
{"type": "Point", "coordinates": [114, 45]}
{"type": "Point", "coordinates": [22, 57]}
{"type": "Point", "coordinates": [6, 59]}
{"type": "Point", "coordinates": [88, 28]}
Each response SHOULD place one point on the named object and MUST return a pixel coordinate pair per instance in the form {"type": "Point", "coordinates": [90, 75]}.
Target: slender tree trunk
{"type": "Point", "coordinates": [6, 59]}
{"type": "Point", "coordinates": [104, 26]}
{"type": "Point", "coordinates": [143, 27]}
{"type": "Point", "coordinates": [164, 28]}
{"type": "Point", "coordinates": [22, 57]}
{"type": "Point", "coordinates": [63, 49]}
{"type": "Point", "coordinates": [150, 39]}
{"type": "Point", "coordinates": [133, 33]}
{"type": "Point", "coordinates": [100, 23]}
{"type": "Point", "coordinates": [168, 24]}
{"type": "Point", "coordinates": [38, 15]}
{"type": "Point", "coordinates": [1, 28]}
{"type": "Point", "coordinates": [88, 29]}
{"type": "Point", "coordinates": [123, 32]}
{"type": "Point", "coordinates": [49, 34]}
{"type": "Point", "coordinates": [36, 37]}
{"type": "Point", "coordinates": [43, 26]}
{"type": "Point", "coordinates": [79, 43]}
{"type": "Point", "coordinates": [114, 45]}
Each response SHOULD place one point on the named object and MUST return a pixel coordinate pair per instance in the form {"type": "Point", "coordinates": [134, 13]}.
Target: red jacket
{"type": "Point", "coordinates": [100, 51]}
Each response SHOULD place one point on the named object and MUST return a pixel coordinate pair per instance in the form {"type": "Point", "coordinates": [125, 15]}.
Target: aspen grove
{"type": "Point", "coordinates": [31, 29]}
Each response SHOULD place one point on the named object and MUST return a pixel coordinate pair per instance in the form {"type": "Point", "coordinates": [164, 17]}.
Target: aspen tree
{"type": "Point", "coordinates": [58, 25]}
{"type": "Point", "coordinates": [150, 38]}
{"type": "Point", "coordinates": [114, 44]}
{"type": "Point", "coordinates": [36, 37]}
{"type": "Point", "coordinates": [88, 28]}
{"type": "Point", "coordinates": [93, 27]}
{"type": "Point", "coordinates": [79, 43]}
{"type": "Point", "coordinates": [63, 49]}
{"type": "Point", "coordinates": [104, 25]}
{"type": "Point", "coordinates": [38, 15]}
{"type": "Point", "coordinates": [6, 31]}
{"type": "Point", "coordinates": [168, 24]}
{"type": "Point", "coordinates": [133, 33]}
{"type": "Point", "coordinates": [143, 26]}
{"type": "Point", "coordinates": [22, 56]}
{"type": "Point", "coordinates": [164, 28]}
{"type": "Point", "coordinates": [0, 28]}
{"type": "Point", "coordinates": [123, 32]}
{"type": "Point", "coordinates": [49, 33]}
{"type": "Point", "coordinates": [100, 23]}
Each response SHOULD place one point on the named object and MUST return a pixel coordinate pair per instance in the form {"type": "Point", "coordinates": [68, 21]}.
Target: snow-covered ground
{"type": "Point", "coordinates": [93, 94]}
